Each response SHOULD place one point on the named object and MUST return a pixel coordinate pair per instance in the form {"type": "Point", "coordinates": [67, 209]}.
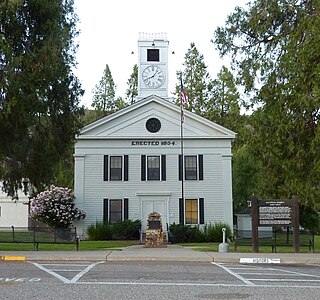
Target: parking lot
{"type": "Point", "coordinates": [117, 280]}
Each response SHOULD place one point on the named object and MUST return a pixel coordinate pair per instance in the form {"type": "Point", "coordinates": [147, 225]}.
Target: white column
{"type": "Point", "coordinates": [227, 189]}
{"type": "Point", "coordinates": [79, 171]}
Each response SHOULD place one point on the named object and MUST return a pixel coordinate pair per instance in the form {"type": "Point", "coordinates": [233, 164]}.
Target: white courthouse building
{"type": "Point", "coordinates": [134, 162]}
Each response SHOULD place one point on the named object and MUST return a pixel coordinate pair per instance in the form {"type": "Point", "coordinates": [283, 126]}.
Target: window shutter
{"type": "Point", "coordinates": [125, 208]}
{"type": "Point", "coordinates": [105, 167]}
{"type": "Point", "coordinates": [200, 162]}
{"type": "Point", "coordinates": [163, 168]}
{"type": "Point", "coordinates": [181, 211]}
{"type": "Point", "coordinates": [143, 168]}
{"type": "Point", "coordinates": [105, 210]}
{"type": "Point", "coordinates": [180, 167]}
{"type": "Point", "coordinates": [201, 210]}
{"type": "Point", "coordinates": [126, 167]}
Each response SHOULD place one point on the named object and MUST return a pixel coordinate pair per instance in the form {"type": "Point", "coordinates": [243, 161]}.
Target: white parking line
{"type": "Point", "coordinates": [62, 278]}
{"type": "Point", "coordinates": [87, 269]}
{"type": "Point", "coordinates": [246, 281]}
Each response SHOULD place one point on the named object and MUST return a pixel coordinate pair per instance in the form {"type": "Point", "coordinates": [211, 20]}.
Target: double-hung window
{"type": "Point", "coordinates": [115, 168]}
{"type": "Point", "coordinates": [153, 167]}
{"type": "Point", "coordinates": [115, 210]}
{"type": "Point", "coordinates": [191, 211]}
{"type": "Point", "coordinates": [191, 168]}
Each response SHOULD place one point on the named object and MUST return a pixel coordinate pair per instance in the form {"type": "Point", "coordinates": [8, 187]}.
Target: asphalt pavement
{"type": "Point", "coordinates": [172, 253]}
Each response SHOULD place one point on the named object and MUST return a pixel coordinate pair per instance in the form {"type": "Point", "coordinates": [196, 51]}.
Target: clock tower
{"type": "Point", "coordinates": [152, 65]}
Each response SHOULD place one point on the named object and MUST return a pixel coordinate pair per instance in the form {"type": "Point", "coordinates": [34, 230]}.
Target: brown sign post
{"type": "Point", "coordinates": [274, 213]}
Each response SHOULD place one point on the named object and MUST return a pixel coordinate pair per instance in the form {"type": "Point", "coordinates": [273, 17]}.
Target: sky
{"type": "Point", "coordinates": [109, 32]}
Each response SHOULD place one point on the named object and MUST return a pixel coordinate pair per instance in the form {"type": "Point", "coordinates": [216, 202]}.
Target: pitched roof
{"type": "Point", "coordinates": [128, 123]}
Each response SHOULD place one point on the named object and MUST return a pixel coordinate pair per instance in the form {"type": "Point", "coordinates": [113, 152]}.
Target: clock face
{"type": "Point", "coordinates": [153, 76]}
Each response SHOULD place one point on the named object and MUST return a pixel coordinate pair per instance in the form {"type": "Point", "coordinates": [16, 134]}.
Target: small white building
{"type": "Point", "coordinates": [135, 162]}
{"type": "Point", "coordinates": [13, 212]}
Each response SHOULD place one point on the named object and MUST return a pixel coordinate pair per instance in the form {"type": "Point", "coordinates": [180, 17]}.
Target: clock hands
{"type": "Point", "coordinates": [153, 74]}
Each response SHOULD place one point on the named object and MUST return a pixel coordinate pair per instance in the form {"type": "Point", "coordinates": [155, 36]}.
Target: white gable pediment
{"type": "Point", "coordinates": [130, 122]}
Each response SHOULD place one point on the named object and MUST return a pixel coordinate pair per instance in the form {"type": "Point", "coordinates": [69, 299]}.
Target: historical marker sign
{"type": "Point", "coordinates": [275, 213]}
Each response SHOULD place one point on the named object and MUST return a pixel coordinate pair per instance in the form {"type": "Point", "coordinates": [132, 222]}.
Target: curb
{"type": "Point", "coordinates": [13, 258]}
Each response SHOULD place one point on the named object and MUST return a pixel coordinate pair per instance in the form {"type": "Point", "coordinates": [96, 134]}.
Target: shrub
{"type": "Point", "coordinates": [127, 229]}
{"type": "Point", "coordinates": [180, 233]}
{"type": "Point", "coordinates": [213, 232]}
{"type": "Point", "coordinates": [99, 231]}
{"type": "Point", "coordinates": [55, 207]}
{"type": "Point", "coordinates": [121, 230]}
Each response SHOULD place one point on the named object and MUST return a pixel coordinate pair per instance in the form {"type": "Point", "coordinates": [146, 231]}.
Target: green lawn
{"type": "Point", "coordinates": [117, 245]}
{"type": "Point", "coordinates": [213, 247]}
{"type": "Point", "coordinates": [84, 246]}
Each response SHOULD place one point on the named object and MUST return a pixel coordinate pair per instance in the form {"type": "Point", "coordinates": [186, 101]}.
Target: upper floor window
{"type": "Point", "coordinates": [191, 168]}
{"type": "Point", "coordinates": [115, 168]}
{"type": "Point", "coordinates": [153, 167]}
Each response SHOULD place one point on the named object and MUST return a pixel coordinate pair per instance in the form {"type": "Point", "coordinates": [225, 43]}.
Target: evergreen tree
{"type": "Point", "coordinates": [223, 107]}
{"type": "Point", "coordinates": [132, 91]}
{"type": "Point", "coordinates": [275, 43]}
{"type": "Point", "coordinates": [39, 94]}
{"type": "Point", "coordinates": [195, 79]}
{"type": "Point", "coordinates": [104, 93]}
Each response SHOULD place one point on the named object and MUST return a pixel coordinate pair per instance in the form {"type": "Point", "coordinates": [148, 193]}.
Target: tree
{"type": "Point", "coordinates": [224, 107]}
{"type": "Point", "coordinates": [104, 93]}
{"type": "Point", "coordinates": [246, 177]}
{"type": "Point", "coordinates": [39, 94]}
{"type": "Point", "coordinates": [132, 91]}
{"type": "Point", "coordinates": [55, 207]}
{"type": "Point", "coordinates": [195, 79]}
{"type": "Point", "coordinates": [275, 44]}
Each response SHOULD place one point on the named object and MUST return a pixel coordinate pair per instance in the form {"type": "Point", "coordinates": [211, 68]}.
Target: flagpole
{"type": "Point", "coordinates": [182, 157]}
{"type": "Point", "coordinates": [183, 100]}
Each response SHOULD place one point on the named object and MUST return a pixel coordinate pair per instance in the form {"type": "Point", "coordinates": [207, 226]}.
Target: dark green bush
{"type": "Point", "coordinates": [127, 229]}
{"type": "Point", "coordinates": [180, 233]}
{"type": "Point", "coordinates": [213, 232]}
{"type": "Point", "coordinates": [99, 231]}
{"type": "Point", "coordinates": [121, 230]}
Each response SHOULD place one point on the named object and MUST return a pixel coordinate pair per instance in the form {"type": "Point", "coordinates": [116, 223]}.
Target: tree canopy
{"type": "Point", "coordinates": [196, 80]}
{"type": "Point", "coordinates": [275, 52]}
{"type": "Point", "coordinates": [39, 94]}
{"type": "Point", "coordinates": [104, 92]}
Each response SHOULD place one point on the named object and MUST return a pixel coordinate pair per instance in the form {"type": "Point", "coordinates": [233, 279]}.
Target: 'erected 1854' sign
{"type": "Point", "coordinates": [275, 212]}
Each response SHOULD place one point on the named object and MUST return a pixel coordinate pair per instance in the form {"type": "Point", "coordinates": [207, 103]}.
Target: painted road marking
{"type": "Point", "coordinates": [62, 278]}
{"type": "Point", "coordinates": [17, 279]}
{"type": "Point", "coordinates": [246, 281]}
{"type": "Point", "coordinates": [196, 284]}
{"type": "Point", "coordinates": [13, 258]}
{"type": "Point", "coordinates": [264, 272]}
{"type": "Point", "coordinates": [259, 260]}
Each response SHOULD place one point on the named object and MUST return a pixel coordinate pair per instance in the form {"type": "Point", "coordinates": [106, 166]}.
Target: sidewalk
{"type": "Point", "coordinates": [172, 253]}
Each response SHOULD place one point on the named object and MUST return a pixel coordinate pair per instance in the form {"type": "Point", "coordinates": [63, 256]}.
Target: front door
{"type": "Point", "coordinates": [149, 206]}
